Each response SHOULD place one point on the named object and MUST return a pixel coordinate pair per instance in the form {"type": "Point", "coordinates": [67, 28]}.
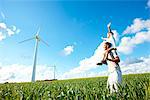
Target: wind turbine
{"type": "Point", "coordinates": [38, 39]}
{"type": "Point", "coordinates": [54, 71]}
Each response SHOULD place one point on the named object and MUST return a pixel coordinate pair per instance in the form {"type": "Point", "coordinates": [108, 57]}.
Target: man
{"type": "Point", "coordinates": [112, 60]}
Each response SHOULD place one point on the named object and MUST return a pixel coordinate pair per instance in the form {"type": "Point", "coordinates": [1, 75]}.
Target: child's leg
{"type": "Point", "coordinates": [105, 56]}
{"type": "Point", "coordinates": [106, 53]}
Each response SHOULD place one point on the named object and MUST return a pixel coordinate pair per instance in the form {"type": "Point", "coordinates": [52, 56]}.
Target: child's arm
{"type": "Point", "coordinates": [104, 39]}
{"type": "Point", "coordinates": [103, 61]}
{"type": "Point", "coordinates": [108, 26]}
{"type": "Point", "coordinates": [108, 36]}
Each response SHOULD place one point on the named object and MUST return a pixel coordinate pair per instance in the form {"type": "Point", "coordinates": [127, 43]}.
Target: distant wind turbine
{"type": "Point", "coordinates": [54, 72]}
{"type": "Point", "coordinates": [38, 39]}
{"type": "Point", "coordinates": [3, 16]}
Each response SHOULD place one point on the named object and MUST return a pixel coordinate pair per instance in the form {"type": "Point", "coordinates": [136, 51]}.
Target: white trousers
{"type": "Point", "coordinates": [114, 79]}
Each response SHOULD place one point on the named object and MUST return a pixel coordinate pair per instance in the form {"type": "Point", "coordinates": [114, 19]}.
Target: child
{"type": "Point", "coordinates": [110, 38]}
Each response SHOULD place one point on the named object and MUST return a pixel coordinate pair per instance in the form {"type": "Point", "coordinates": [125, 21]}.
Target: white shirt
{"type": "Point", "coordinates": [112, 66]}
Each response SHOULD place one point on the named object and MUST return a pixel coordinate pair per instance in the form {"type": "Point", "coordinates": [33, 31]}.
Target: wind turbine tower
{"type": "Point", "coordinates": [37, 39]}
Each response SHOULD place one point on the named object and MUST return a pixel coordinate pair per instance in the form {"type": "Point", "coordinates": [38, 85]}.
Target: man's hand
{"type": "Point", "coordinates": [116, 60]}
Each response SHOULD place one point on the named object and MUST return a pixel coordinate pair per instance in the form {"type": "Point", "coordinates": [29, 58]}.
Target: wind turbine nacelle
{"type": "Point", "coordinates": [37, 37]}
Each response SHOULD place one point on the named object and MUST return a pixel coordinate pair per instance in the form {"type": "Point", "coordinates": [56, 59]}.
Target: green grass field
{"type": "Point", "coordinates": [134, 87]}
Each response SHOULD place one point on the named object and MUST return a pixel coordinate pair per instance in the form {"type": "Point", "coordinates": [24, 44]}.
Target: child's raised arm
{"type": "Point", "coordinates": [108, 26]}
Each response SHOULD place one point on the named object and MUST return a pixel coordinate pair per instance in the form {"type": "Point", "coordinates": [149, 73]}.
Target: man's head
{"type": "Point", "coordinates": [107, 45]}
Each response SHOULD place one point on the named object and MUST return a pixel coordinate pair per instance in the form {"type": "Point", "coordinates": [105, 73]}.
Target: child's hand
{"type": "Point", "coordinates": [109, 24]}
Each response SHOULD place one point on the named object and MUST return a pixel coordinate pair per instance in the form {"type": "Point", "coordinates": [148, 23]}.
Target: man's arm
{"type": "Point", "coordinates": [116, 59]}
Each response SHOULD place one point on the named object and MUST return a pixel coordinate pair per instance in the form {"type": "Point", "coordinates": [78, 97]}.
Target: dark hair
{"type": "Point", "coordinates": [109, 44]}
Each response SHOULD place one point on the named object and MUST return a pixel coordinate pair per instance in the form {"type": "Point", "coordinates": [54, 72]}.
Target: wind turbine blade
{"type": "Point", "coordinates": [44, 42]}
{"type": "Point", "coordinates": [37, 33]}
{"type": "Point", "coordinates": [27, 40]}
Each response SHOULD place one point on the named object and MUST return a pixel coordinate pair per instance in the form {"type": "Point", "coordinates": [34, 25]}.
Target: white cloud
{"type": "Point", "coordinates": [128, 44]}
{"type": "Point", "coordinates": [133, 61]}
{"type": "Point", "coordinates": [141, 30]}
{"type": "Point", "coordinates": [14, 28]}
{"type": "Point", "coordinates": [23, 73]}
{"type": "Point", "coordinates": [3, 26]}
{"type": "Point", "coordinates": [148, 4]}
{"type": "Point", "coordinates": [2, 36]}
{"type": "Point", "coordinates": [137, 26]}
{"type": "Point", "coordinates": [138, 65]}
{"type": "Point", "coordinates": [18, 31]}
{"type": "Point", "coordinates": [7, 31]}
{"type": "Point", "coordinates": [10, 32]}
{"type": "Point", "coordinates": [68, 50]}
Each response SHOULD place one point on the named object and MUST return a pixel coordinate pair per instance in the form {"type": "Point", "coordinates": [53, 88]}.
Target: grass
{"type": "Point", "coordinates": [134, 87]}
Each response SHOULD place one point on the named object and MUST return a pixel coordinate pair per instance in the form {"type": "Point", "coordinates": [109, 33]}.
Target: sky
{"type": "Point", "coordinates": [73, 30]}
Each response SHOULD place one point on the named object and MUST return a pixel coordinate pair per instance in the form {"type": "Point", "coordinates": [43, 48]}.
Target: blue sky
{"type": "Point", "coordinates": [66, 23]}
